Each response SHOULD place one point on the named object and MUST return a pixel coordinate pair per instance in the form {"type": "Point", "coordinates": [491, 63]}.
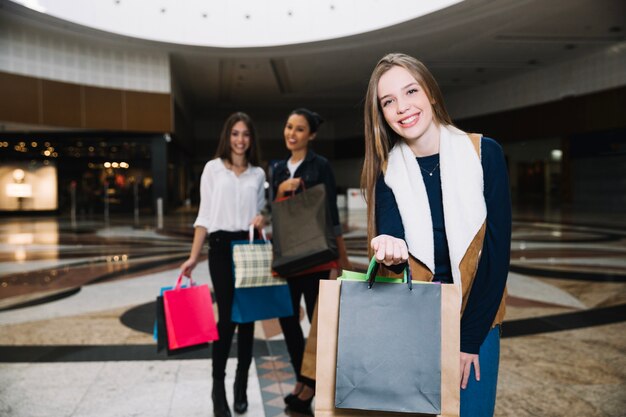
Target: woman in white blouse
{"type": "Point", "coordinates": [232, 196]}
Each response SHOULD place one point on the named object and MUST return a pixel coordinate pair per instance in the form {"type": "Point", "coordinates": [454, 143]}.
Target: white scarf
{"type": "Point", "coordinates": [464, 208]}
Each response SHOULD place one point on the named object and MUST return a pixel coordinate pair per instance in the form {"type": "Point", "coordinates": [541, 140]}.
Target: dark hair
{"type": "Point", "coordinates": [313, 119]}
{"type": "Point", "coordinates": [223, 147]}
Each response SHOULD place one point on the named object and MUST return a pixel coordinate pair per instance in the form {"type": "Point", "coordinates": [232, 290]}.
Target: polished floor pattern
{"type": "Point", "coordinates": [76, 315]}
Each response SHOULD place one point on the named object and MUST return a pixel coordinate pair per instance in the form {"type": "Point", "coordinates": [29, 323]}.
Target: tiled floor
{"type": "Point", "coordinates": [77, 310]}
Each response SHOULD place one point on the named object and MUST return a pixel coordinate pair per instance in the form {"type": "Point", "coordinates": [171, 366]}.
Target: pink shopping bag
{"type": "Point", "coordinates": [189, 315]}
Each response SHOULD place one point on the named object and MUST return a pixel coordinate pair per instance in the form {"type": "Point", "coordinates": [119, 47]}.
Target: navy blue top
{"type": "Point", "coordinates": [488, 287]}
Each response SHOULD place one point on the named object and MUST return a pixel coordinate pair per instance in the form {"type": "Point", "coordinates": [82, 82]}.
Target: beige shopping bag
{"type": "Point", "coordinates": [328, 324]}
{"type": "Point", "coordinates": [310, 350]}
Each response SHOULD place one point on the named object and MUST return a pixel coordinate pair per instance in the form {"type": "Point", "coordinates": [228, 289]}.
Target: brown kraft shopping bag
{"type": "Point", "coordinates": [328, 324]}
{"type": "Point", "coordinates": [310, 350]}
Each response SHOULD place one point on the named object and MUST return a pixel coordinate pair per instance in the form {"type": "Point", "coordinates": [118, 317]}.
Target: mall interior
{"type": "Point", "coordinates": [111, 108]}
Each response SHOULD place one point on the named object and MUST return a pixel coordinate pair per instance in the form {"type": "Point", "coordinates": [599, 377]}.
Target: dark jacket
{"type": "Point", "coordinates": [484, 292]}
{"type": "Point", "coordinates": [315, 169]}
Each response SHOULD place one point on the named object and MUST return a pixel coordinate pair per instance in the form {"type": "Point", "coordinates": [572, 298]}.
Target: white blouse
{"type": "Point", "coordinates": [229, 202]}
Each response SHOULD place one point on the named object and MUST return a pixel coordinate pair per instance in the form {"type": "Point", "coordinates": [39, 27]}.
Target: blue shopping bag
{"type": "Point", "coordinates": [261, 303]}
{"type": "Point", "coordinates": [258, 294]}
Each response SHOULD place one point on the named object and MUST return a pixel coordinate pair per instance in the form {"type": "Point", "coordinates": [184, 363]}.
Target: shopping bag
{"type": "Point", "coordinates": [310, 350]}
{"type": "Point", "coordinates": [162, 339]}
{"type": "Point", "coordinates": [261, 303]}
{"type": "Point", "coordinates": [252, 262]}
{"type": "Point", "coordinates": [157, 328]}
{"type": "Point", "coordinates": [189, 316]}
{"type": "Point", "coordinates": [160, 329]}
{"type": "Point", "coordinates": [327, 349]}
{"type": "Point", "coordinates": [389, 337]}
{"type": "Point", "coordinates": [334, 264]}
{"type": "Point", "coordinates": [302, 232]}
{"type": "Point", "coordinates": [258, 295]}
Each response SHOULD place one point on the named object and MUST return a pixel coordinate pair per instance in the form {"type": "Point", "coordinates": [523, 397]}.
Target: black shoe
{"type": "Point", "coordinates": [289, 397]}
{"type": "Point", "coordinates": [220, 404]}
{"type": "Point", "coordinates": [301, 406]}
{"type": "Point", "coordinates": [240, 388]}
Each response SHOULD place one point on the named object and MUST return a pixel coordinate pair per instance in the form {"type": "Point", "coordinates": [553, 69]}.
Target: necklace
{"type": "Point", "coordinates": [430, 173]}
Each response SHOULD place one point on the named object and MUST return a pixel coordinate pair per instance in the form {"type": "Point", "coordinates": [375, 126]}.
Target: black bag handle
{"type": "Point", "coordinates": [372, 270]}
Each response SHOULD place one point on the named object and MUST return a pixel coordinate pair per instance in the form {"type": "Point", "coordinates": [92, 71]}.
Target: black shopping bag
{"type": "Point", "coordinates": [302, 232]}
{"type": "Point", "coordinates": [161, 329]}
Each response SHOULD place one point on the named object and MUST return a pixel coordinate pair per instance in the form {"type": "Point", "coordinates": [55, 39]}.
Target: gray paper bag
{"type": "Point", "coordinates": [389, 348]}
{"type": "Point", "coordinates": [302, 232]}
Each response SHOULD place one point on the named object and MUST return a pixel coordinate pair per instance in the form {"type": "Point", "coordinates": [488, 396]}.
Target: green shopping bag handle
{"type": "Point", "coordinates": [371, 275]}
{"type": "Point", "coordinates": [372, 270]}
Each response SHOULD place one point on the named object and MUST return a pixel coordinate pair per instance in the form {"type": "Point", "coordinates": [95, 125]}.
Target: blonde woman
{"type": "Point", "coordinates": [438, 198]}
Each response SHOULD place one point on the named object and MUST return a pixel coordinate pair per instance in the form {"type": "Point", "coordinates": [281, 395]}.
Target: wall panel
{"type": "Point", "coordinates": [20, 98]}
{"type": "Point", "coordinates": [43, 102]}
{"type": "Point", "coordinates": [61, 104]}
{"type": "Point", "coordinates": [148, 111]}
{"type": "Point", "coordinates": [104, 108]}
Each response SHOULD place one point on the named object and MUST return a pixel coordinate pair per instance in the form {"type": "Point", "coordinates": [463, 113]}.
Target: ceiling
{"type": "Point", "coordinates": [241, 23]}
{"type": "Point", "coordinates": [471, 43]}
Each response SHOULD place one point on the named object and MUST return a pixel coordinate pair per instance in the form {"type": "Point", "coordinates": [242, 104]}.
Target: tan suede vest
{"type": "Point", "coordinates": [469, 263]}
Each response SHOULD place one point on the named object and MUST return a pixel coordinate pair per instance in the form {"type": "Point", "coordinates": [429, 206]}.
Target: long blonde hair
{"type": "Point", "coordinates": [379, 137]}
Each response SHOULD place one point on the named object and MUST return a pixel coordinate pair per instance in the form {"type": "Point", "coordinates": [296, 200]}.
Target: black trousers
{"type": "Point", "coordinates": [220, 267]}
{"type": "Point", "coordinates": [309, 287]}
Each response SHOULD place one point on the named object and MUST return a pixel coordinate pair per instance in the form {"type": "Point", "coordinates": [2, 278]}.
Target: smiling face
{"type": "Point", "coordinates": [297, 133]}
{"type": "Point", "coordinates": [405, 105]}
{"type": "Point", "coordinates": [239, 139]}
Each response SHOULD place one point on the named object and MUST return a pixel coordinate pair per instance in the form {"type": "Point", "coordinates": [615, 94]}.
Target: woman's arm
{"type": "Point", "coordinates": [204, 210]}
{"type": "Point", "coordinates": [199, 235]}
{"type": "Point", "coordinates": [259, 220]}
{"type": "Point", "coordinates": [327, 177]}
{"type": "Point", "coordinates": [488, 286]}
{"type": "Point", "coordinates": [389, 245]}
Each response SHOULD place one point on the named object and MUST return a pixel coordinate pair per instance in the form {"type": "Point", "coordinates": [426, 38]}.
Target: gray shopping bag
{"type": "Point", "coordinates": [302, 232]}
{"type": "Point", "coordinates": [389, 347]}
